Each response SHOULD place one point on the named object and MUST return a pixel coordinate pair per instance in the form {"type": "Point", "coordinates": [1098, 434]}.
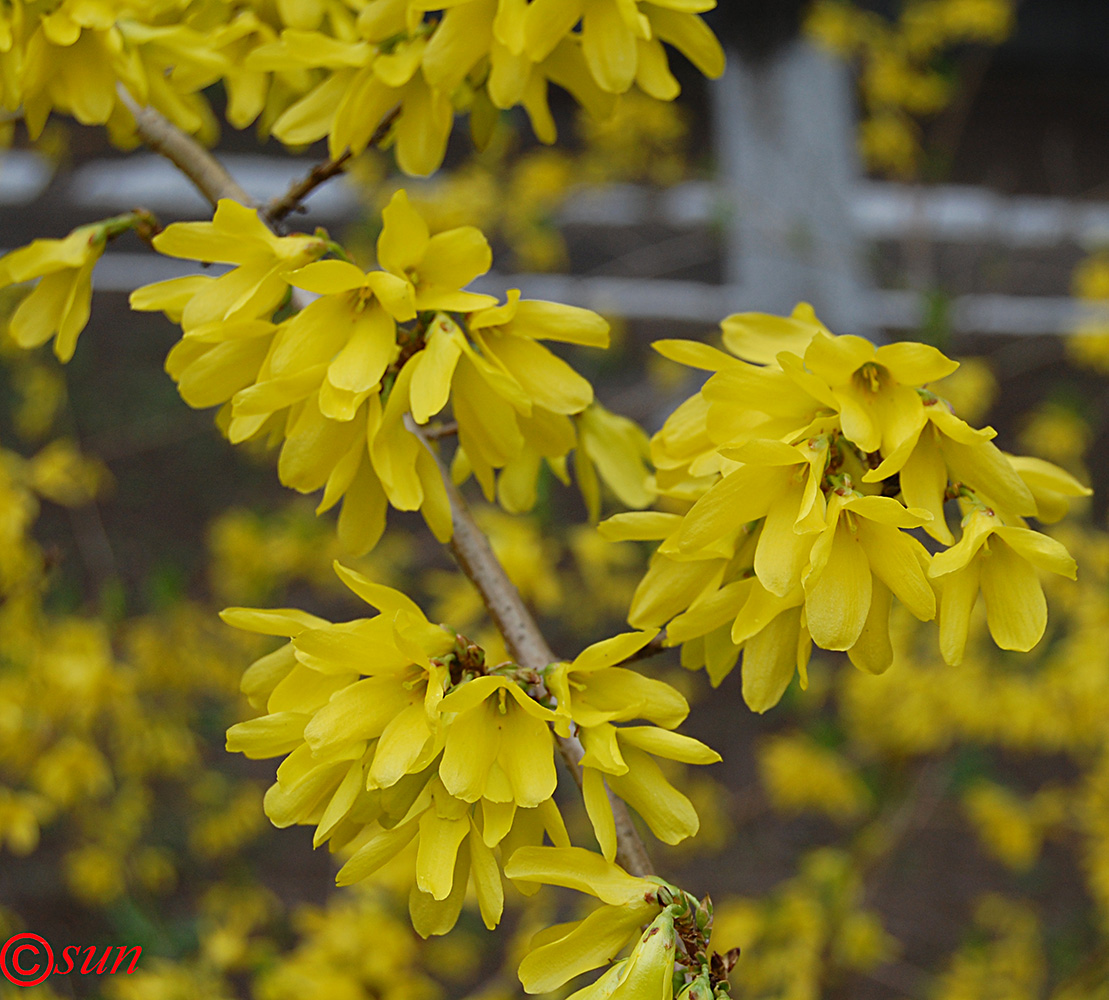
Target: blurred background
{"type": "Point", "coordinates": [934, 170]}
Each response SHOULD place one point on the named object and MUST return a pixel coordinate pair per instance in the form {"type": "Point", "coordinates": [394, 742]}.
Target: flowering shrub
{"type": "Point", "coordinates": [811, 480]}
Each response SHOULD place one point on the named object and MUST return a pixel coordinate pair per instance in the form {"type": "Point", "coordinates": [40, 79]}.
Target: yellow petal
{"type": "Point", "coordinates": [547, 22]}
{"type": "Point", "coordinates": [584, 945]}
{"type": "Point", "coordinates": [268, 736]}
{"type": "Point", "coordinates": [924, 483]}
{"type": "Point", "coordinates": [327, 277]}
{"type": "Point", "coordinates": [873, 652]}
{"type": "Point", "coordinates": [599, 810]}
{"type": "Point", "coordinates": [770, 661]}
{"type": "Point", "coordinates": [639, 526]}
{"type": "Point", "coordinates": [486, 875]}
{"type": "Point", "coordinates": [782, 552]}
{"type": "Point", "coordinates": [527, 757]}
{"type": "Point", "coordinates": [608, 45]}
{"type": "Point", "coordinates": [672, 746]}
{"type": "Point", "coordinates": [837, 601]}
{"type": "Point", "coordinates": [690, 36]}
{"type": "Point", "coordinates": [497, 820]}
{"type": "Point", "coordinates": [893, 560]}
{"type": "Point", "coordinates": [454, 258]}
{"type": "Point", "coordinates": [438, 851]}
{"type": "Point", "coordinates": [404, 236]}
{"type": "Point", "coordinates": [372, 347]}
{"type": "Point", "coordinates": [958, 594]}
{"type": "Point", "coordinates": [1016, 610]}
{"type": "Point", "coordinates": [400, 747]}
{"type": "Point", "coordinates": [377, 851]}
{"type": "Point", "coordinates": [432, 916]}
{"type": "Point", "coordinates": [284, 621]}
{"type": "Point", "coordinates": [915, 364]}
{"type": "Point", "coordinates": [578, 869]}
{"type": "Point", "coordinates": [608, 652]}
{"type": "Point", "coordinates": [547, 379]}
{"type": "Point", "coordinates": [553, 321]}
{"type": "Point", "coordinates": [602, 749]}
{"type": "Point", "coordinates": [473, 742]}
{"type": "Point", "coordinates": [668, 813]}
{"type": "Point", "coordinates": [435, 365]}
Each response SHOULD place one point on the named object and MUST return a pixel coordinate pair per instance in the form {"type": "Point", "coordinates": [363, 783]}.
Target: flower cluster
{"type": "Point", "coordinates": [397, 731]}
{"type": "Point", "coordinates": [337, 382]}
{"type": "Point", "coordinates": [804, 473]}
{"type": "Point", "coordinates": [314, 69]}
{"type": "Point", "coordinates": [480, 55]}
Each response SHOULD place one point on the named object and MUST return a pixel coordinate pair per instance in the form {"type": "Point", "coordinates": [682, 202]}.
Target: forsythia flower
{"type": "Point", "coordinates": [60, 303]}
{"type": "Point", "coordinates": [1001, 561]}
{"type": "Point", "coordinates": [397, 730]}
{"type": "Point", "coordinates": [654, 965]}
{"type": "Point", "coordinates": [593, 693]}
{"type": "Point", "coordinates": [804, 471]}
{"type": "Point", "coordinates": [376, 71]}
{"type": "Point", "coordinates": [336, 382]}
{"type": "Point", "coordinates": [480, 55]}
{"type": "Point", "coordinates": [560, 953]}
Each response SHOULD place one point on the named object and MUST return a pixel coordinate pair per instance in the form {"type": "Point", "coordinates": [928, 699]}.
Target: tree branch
{"type": "Point", "coordinates": [475, 557]}
{"type": "Point", "coordinates": [291, 200]}
{"type": "Point", "coordinates": [209, 175]}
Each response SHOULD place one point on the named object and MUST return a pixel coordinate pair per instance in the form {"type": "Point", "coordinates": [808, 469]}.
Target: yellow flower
{"type": "Point", "coordinates": [800, 475]}
{"type": "Point", "coordinates": [438, 266]}
{"type": "Point", "coordinates": [559, 953]}
{"type": "Point", "coordinates": [621, 39]}
{"type": "Point", "coordinates": [874, 387]}
{"type": "Point", "coordinates": [1001, 561]}
{"type": "Point", "coordinates": [945, 448]}
{"type": "Point", "coordinates": [612, 449]}
{"type": "Point", "coordinates": [860, 558]}
{"type": "Point", "coordinates": [396, 733]}
{"type": "Point", "coordinates": [253, 288]}
{"type": "Point", "coordinates": [335, 383]}
{"type": "Point", "coordinates": [592, 693]}
{"type": "Point", "coordinates": [455, 847]}
{"type": "Point", "coordinates": [60, 303]}
{"type": "Point", "coordinates": [498, 744]}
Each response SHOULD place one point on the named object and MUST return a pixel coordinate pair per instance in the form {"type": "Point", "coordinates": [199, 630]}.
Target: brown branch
{"type": "Point", "coordinates": [440, 431]}
{"type": "Point", "coordinates": [209, 175]}
{"type": "Point", "coordinates": [526, 644]}
{"type": "Point", "coordinates": [291, 200]}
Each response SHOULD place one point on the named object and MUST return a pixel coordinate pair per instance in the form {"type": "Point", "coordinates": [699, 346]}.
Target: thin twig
{"type": "Point", "coordinates": [291, 200]}
{"type": "Point", "coordinates": [526, 644]}
{"type": "Point", "coordinates": [184, 152]}
{"type": "Point", "coordinates": [440, 431]}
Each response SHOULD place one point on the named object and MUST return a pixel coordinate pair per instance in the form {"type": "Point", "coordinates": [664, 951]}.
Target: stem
{"type": "Point", "coordinates": [291, 200]}
{"type": "Point", "coordinates": [475, 557]}
{"type": "Point", "coordinates": [184, 152]}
